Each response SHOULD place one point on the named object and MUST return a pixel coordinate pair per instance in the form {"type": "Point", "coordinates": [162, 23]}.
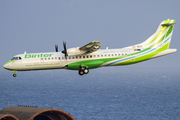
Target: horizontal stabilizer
{"type": "Point", "coordinates": [167, 24]}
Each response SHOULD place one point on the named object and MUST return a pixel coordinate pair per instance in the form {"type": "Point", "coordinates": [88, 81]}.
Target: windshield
{"type": "Point", "coordinates": [16, 58]}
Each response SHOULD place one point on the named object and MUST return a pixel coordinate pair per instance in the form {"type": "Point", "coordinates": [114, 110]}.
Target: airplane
{"type": "Point", "coordinates": [90, 56]}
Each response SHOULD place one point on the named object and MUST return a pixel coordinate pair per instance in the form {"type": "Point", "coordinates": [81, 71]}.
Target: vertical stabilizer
{"type": "Point", "coordinates": [162, 37]}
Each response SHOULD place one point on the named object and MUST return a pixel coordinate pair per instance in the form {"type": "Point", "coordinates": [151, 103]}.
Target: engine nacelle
{"type": "Point", "coordinates": [75, 51]}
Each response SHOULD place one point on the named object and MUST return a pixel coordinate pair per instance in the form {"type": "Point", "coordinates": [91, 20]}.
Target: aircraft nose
{"type": "Point", "coordinates": [5, 66]}
{"type": "Point", "coordinates": [8, 65]}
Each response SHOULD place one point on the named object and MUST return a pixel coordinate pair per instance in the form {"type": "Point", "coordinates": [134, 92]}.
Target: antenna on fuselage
{"type": "Point", "coordinates": [25, 52]}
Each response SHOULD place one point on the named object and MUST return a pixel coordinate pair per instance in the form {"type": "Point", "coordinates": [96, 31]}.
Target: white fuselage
{"type": "Point", "coordinates": [56, 60]}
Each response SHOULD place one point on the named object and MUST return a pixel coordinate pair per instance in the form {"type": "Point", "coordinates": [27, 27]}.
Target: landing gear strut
{"type": "Point", "coordinates": [83, 70]}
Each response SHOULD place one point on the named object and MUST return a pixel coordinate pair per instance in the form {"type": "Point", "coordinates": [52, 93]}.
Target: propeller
{"type": "Point", "coordinates": [56, 48]}
{"type": "Point", "coordinates": [65, 50]}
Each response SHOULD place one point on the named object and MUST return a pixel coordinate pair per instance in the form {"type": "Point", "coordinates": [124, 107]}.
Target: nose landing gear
{"type": "Point", "coordinates": [14, 75]}
{"type": "Point", "coordinates": [14, 71]}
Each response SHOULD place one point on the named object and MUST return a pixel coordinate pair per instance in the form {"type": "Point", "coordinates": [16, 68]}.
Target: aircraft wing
{"type": "Point", "coordinates": [91, 47]}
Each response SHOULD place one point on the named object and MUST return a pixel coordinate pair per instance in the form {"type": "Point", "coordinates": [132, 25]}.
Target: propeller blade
{"type": "Point", "coordinates": [56, 48]}
{"type": "Point", "coordinates": [65, 50]}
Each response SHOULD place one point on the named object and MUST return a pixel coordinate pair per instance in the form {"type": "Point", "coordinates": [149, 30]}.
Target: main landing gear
{"type": "Point", "coordinates": [83, 70]}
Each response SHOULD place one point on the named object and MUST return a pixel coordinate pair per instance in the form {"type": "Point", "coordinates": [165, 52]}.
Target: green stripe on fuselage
{"type": "Point", "coordinates": [144, 57]}
{"type": "Point", "coordinates": [90, 64]}
{"type": "Point", "coordinates": [10, 61]}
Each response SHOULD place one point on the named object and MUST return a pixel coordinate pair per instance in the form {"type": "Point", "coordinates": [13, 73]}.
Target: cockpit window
{"type": "Point", "coordinates": [13, 58]}
{"type": "Point", "coordinates": [16, 58]}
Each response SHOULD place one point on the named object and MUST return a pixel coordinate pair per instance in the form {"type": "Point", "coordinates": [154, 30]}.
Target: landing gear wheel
{"type": "Point", "coordinates": [81, 72]}
{"type": "Point", "coordinates": [14, 75]}
{"type": "Point", "coordinates": [86, 71]}
{"type": "Point", "coordinates": [82, 68]}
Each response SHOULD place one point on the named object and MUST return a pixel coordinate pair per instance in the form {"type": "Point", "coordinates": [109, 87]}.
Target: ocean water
{"type": "Point", "coordinates": [113, 93]}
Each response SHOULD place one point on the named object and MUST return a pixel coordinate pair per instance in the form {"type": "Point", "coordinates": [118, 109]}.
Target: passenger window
{"type": "Point", "coordinates": [79, 56]}
{"type": "Point", "coordinates": [94, 55]}
{"type": "Point", "coordinates": [90, 56]}
{"type": "Point", "coordinates": [122, 54]}
{"type": "Point", "coordinates": [101, 55]}
{"type": "Point", "coordinates": [97, 55]}
{"type": "Point", "coordinates": [105, 55]}
{"type": "Point", "coordinates": [83, 56]}
{"type": "Point", "coordinates": [52, 58]}
{"type": "Point", "coordinates": [48, 58]}
{"type": "Point", "coordinates": [59, 58]}
{"type": "Point", "coordinates": [45, 58]}
{"type": "Point", "coordinates": [109, 55]}
{"type": "Point", "coordinates": [112, 55]}
{"type": "Point", "coordinates": [69, 57]}
{"type": "Point", "coordinates": [55, 57]}
{"type": "Point", "coordinates": [115, 54]}
{"type": "Point", "coordinates": [41, 58]}
{"type": "Point", "coordinates": [20, 58]}
{"type": "Point", "coordinates": [76, 57]}
{"type": "Point", "coordinates": [87, 56]}
{"type": "Point", "coordinates": [119, 54]}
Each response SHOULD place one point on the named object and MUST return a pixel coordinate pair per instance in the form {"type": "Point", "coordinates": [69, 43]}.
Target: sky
{"type": "Point", "coordinates": [36, 26]}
